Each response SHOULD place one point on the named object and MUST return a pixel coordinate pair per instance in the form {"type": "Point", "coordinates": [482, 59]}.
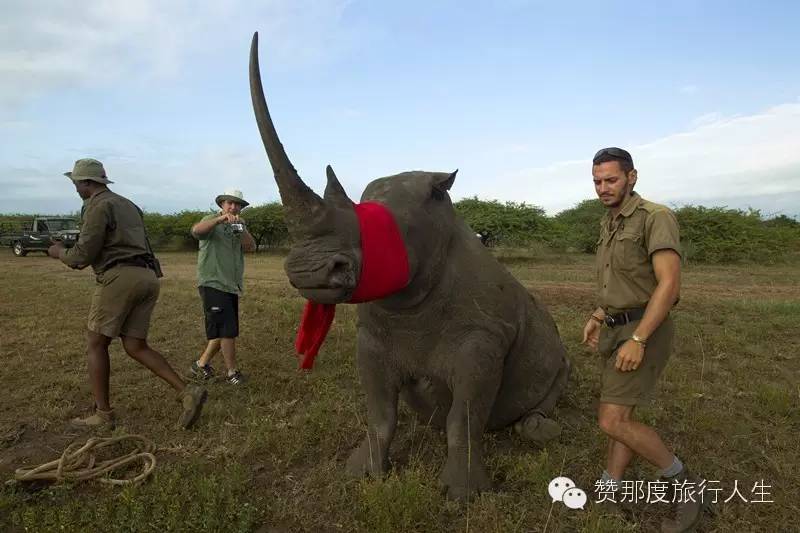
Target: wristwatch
{"type": "Point", "coordinates": [638, 340]}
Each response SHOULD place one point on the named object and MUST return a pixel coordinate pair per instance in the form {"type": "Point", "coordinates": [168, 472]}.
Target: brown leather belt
{"type": "Point", "coordinates": [138, 261]}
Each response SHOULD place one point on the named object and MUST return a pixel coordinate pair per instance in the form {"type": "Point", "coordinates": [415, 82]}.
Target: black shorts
{"type": "Point", "coordinates": [221, 312]}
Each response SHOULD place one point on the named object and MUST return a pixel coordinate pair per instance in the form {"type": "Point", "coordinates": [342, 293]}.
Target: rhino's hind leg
{"type": "Point", "coordinates": [535, 426]}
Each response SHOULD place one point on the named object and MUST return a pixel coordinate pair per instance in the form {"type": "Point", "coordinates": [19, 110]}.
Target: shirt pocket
{"type": "Point", "coordinates": [629, 254]}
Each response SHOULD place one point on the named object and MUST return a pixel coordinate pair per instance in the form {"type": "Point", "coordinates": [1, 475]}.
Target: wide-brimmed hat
{"type": "Point", "coordinates": [88, 169]}
{"type": "Point", "coordinates": [233, 195]}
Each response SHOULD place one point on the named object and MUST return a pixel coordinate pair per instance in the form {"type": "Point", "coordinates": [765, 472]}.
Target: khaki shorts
{"type": "Point", "coordinates": [636, 386]}
{"type": "Point", "coordinates": [123, 302]}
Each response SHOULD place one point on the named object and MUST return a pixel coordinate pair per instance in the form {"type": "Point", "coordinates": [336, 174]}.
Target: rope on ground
{"type": "Point", "coordinates": [79, 462]}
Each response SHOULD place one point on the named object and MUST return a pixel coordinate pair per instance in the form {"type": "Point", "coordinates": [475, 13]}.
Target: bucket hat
{"type": "Point", "coordinates": [233, 195]}
{"type": "Point", "coordinates": [88, 169]}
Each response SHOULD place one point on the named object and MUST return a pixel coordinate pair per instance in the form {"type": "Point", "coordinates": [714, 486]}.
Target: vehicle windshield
{"type": "Point", "coordinates": [60, 224]}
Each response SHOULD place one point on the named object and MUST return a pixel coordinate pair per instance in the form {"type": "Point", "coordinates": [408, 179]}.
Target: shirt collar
{"type": "Point", "coordinates": [96, 194]}
{"type": "Point", "coordinates": [628, 207]}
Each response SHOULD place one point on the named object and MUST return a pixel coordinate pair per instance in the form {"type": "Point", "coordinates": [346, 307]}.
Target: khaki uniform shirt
{"type": "Point", "coordinates": [625, 274]}
{"type": "Point", "coordinates": [220, 261]}
{"type": "Point", "coordinates": [111, 230]}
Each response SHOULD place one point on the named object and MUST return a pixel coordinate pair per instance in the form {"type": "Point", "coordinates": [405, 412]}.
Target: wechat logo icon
{"type": "Point", "coordinates": [563, 489]}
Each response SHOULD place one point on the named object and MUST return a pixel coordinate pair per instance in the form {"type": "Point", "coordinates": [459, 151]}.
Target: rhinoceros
{"type": "Point", "coordinates": [465, 345]}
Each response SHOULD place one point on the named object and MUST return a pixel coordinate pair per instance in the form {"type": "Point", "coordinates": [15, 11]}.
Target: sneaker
{"type": "Point", "coordinates": [202, 372]}
{"type": "Point", "coordinates": [98, 420]}
{"type": "Point", "coordinates": [192, 399]}
{"type": "Point", "coordinates": [237, 378]}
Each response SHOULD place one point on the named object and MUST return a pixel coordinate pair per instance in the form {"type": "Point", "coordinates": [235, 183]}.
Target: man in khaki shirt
{"type": "Point", "coordinates": [113, 241]}
{"type": "Point", "coordinates": [638, 276]}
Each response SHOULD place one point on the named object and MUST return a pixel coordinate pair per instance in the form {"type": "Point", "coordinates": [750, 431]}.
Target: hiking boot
{"type": "Point", "coordinates": [98, 420]}
{"type": "Point", "coordinates": [687, 513]}
{"type": "Point", "coordinates": [204, 372]}
{"type": "Point", "coordinates": [237, 378]}
{"type": "Point", "coordinates": [192, 398]}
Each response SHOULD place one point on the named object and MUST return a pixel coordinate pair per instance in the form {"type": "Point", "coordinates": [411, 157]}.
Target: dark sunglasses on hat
{"type": "Point", "coordinates": [617, 153]}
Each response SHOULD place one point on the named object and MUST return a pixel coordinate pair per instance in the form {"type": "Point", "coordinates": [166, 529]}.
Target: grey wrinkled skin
{"type": "Point", "coordinates": [464, 344]}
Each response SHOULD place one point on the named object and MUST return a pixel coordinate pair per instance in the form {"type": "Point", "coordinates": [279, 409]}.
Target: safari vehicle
{"type": "Point", "coordinates": [39, 233]}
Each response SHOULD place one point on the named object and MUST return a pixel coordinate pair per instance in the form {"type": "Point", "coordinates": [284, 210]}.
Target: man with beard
{"type": "Point", "coordinates": [638, 274]}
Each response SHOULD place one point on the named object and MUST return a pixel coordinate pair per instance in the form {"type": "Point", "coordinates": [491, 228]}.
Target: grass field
{"type": "Point", "coordinates": [269, 456]}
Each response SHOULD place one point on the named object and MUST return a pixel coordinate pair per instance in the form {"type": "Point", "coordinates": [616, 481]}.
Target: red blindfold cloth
{"type": "Point", "coordinates": [384, 270]}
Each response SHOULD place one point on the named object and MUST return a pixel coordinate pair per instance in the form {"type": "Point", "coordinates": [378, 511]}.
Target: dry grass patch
{"type": "Point", "coordinates": [270, 456]}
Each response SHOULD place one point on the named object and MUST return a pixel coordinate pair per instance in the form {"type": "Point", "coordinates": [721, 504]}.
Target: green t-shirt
{"type": "Point", "coordinates": [220, 262]}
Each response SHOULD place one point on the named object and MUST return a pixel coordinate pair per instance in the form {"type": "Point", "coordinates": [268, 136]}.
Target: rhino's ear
{"type": "Point", "coordinates": [334, 192]}
{"type": "Point", "coordinates": [442, 183]}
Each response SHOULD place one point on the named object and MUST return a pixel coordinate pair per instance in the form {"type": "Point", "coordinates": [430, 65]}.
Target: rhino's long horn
{"type": "Point", "coordinates": [299, 199]}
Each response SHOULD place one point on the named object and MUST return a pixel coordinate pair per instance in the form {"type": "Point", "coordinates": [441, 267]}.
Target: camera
{"type": "Point", "coordinates": [237, 227]}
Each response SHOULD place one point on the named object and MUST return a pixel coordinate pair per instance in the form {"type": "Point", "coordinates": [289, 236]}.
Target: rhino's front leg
{"type": "Point", "coordinates": [477, 377]}
{"type": "Point", "coordinates": [382, 390]}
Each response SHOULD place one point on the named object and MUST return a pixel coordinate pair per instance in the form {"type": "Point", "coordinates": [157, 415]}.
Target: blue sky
{"type": "Point", "coordinates": [518, 95]}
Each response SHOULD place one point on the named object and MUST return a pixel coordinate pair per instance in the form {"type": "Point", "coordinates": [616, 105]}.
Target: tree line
{"type": "Point", "coordinates": [708, 234]}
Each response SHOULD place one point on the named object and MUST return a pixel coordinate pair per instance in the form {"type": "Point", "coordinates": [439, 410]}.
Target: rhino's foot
{"type": "Point", "coordinates": [463, 477]}
{"type": "Point", "coordinates": [537, 428]}
{"type": "Point", "coordinates": [368, 459]}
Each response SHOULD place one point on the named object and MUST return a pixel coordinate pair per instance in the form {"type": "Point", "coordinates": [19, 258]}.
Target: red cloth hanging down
{"type": "Point", "coordinates": [384, 270]}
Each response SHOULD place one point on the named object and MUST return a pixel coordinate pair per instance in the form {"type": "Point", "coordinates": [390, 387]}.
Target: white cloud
{"type": "Point", "coordinates": [47, 45]}
{"type": "Point", "coordinates": [157, 178]}
{"type": "Point", "coordinates": [742, 156]}
{"type": "Point", "coordinates": [736, 161]}
{"type": "Point", "coordinates": [706, 119]}
{"type": "Point", "coordinates": [688, 89]}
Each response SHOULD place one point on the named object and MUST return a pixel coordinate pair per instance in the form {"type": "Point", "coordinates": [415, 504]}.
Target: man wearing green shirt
{"type": "Point", "coordinates": [113, 242]}
{"type": "Point", "coordinates": [638, 271]}
{"type": "Point", "coordinates": [223, 240]}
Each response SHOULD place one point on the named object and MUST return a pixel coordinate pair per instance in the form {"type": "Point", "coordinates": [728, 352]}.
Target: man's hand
{"type": "Point", "coordinates": [629, 356]}
{"type": "Point", "coordinates": [591, 334]}
{"type": "Point", "coordinates": [55, 249]}
{"type": "Point", "coordinates": [228, 218]}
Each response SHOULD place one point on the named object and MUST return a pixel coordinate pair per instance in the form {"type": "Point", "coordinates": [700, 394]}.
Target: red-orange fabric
{"type": "Point", "coordinates": [384, 270]}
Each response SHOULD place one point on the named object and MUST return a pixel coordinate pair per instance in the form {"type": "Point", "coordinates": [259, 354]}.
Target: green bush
{"type": "Point", "coordinates": [267, 224]}
{"type": "Point", "coordinates": [578, 228]}
{"type": "Point", "coordinates": [510, 223]}
{"type": "Point", "coordinates": [17, 222]}
{"type": "Point", "coordinates": [172, 232]}
{"type": "Point", "coordinates": [721, 235]}
{"type": "Point", "coordinates": [708, 234]}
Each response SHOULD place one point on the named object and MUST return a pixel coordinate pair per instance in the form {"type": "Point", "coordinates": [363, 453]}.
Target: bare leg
{"type": "Point", "coordinates": [151, 359]}
{"type": "Point", "coordinates": [616, 421]}
{"type": "Point", "coordinates": [619, 457]}
{"type": "Point", "coordinates": [229, 353]}
{"type": "Point", "coordinates": [99, 368]}
{"type": "Point", "coordinates": [211, 350]}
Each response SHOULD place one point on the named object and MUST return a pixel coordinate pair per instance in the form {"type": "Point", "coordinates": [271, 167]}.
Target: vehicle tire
{"type": "Point", "coordinates": [18, 249]}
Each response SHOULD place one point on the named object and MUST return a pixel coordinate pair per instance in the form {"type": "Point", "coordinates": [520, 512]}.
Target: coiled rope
{"type": "Point", "coordinates": [79, 462]}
